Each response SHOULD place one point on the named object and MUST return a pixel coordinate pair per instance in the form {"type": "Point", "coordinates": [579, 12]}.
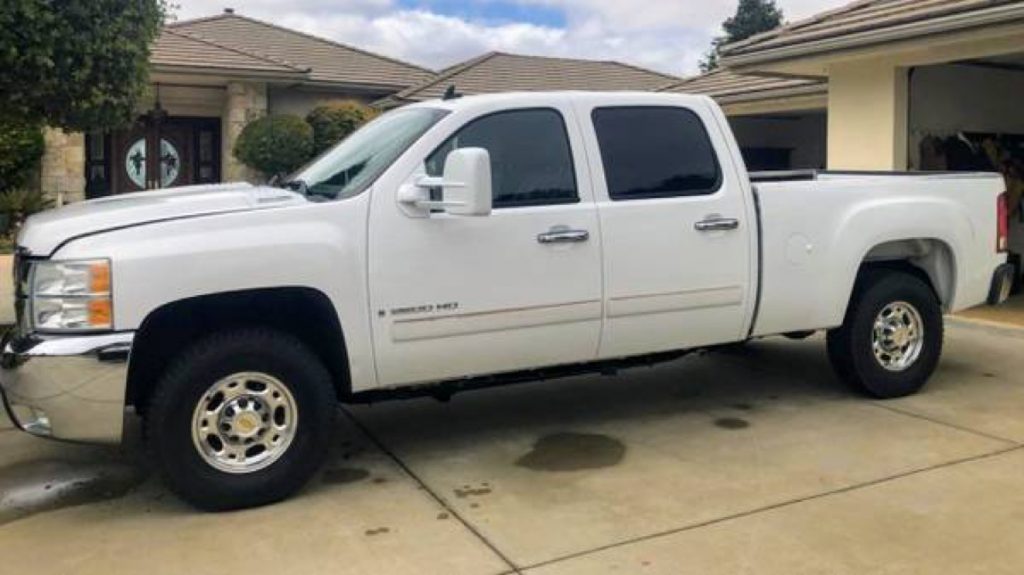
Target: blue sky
{"type": "Point", "coordinates": [667, 35]}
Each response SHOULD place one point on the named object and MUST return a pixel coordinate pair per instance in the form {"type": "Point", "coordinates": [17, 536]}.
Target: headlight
{"type": "Point", "coordinates": [70, 295]}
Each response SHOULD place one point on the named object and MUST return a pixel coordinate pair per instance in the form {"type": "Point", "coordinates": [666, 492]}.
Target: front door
{"type": "Point", "coordinates": [461, 295]}
{"type": "Point", "coordinates": [172, 152]}
{"type": "Point", "coordinates": [676, 228]}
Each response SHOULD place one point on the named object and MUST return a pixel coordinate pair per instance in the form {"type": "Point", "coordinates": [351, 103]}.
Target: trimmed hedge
{"type": "Point", "coordinates": [277, 144]}
{"type": "Point", "coordinates": [333, 122]}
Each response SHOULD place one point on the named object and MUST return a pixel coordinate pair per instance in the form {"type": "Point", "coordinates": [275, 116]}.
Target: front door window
{"type": "Point", "coordinates": [135, 163]}
{"type": "Point", "coordinates": [170, 163]}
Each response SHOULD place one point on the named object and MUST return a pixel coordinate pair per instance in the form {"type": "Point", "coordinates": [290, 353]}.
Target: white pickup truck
{"type": "Point", "coordinates": [469, 242]}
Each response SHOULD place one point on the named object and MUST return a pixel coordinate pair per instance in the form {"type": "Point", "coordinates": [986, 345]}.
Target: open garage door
{"type": "Point", "coordinates": [967, 116]}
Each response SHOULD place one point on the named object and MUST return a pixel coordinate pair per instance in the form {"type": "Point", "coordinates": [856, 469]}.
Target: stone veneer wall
{"type": "Point", "coordinates": [245, 102]}
{"type": "Point", "coordinates": [62, 173]}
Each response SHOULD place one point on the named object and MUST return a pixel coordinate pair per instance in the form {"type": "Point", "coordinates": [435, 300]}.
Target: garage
{"type": "Point", "coordinates": [977, 129]}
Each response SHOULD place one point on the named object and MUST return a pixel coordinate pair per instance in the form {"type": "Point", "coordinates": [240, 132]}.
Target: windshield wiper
{"type": "Point", "coordinates": [299, 186]}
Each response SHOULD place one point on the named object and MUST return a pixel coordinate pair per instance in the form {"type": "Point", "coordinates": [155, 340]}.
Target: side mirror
{"type": "Point", "coordinates": [466, 185]}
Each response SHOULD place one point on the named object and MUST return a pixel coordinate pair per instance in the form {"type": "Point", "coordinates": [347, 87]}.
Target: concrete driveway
{"type": "Point", "coordinates": [748, 461]}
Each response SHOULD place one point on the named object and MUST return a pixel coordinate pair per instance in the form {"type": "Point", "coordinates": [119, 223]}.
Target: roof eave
{"type": "Point", "coordinates": [229, 72]}
{"type": "Point", "coordinates": [998, 15]}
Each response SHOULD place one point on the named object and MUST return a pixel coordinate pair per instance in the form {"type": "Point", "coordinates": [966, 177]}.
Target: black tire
{"type": "Point", "coordinates": [169, 419]}
{"type": "Point", "coordinates": [850, 346]}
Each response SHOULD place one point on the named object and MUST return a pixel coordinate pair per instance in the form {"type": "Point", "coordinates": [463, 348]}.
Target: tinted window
{"type": "Point", "coordinates": [655, 153]}
{"type": "Point", "coordinates": [531, 162]}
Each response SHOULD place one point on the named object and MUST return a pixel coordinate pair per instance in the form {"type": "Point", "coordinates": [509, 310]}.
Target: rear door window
{"type": "Point", "coordinates": [655, 152]}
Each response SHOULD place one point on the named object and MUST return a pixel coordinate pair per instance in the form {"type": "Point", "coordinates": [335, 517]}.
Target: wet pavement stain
{"type": "Point", "coordinates": [341, 475]}
{"type": "Point", "coordinates": [380, 480]}
{"type": "Point", "coordinates": [743, 406]}
{"type": "Point", "coordinates": [442, 516]}
{"type": "Point", "coordinates": [731, 423]}
{"type": "Point", "coordinates": [573, 452]}
{"type": "Point", "coordinates": [377, 531]}
{"type": "Point", "coordinates": [37, 486]}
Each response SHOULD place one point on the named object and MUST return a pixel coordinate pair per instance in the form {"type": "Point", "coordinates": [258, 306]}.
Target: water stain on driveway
{"type": "Point", "coordinates": [731, 423]}
{"type": "Point", "coordinates": [573, 452]}
{"type": "Point", "coordinates": [37, 486]}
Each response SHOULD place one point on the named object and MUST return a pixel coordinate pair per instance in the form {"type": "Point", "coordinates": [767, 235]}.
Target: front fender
{"type": "Point", "coordinates": [318, 245]}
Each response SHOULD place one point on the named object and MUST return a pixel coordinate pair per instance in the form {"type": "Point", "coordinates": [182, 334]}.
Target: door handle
{"type": "Point", "coordinates": [563, 235]}
{"type": "Point", "coordinates": [716, 224]}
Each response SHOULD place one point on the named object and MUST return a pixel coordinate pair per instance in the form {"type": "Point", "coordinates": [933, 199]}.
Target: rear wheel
{"type": "Point", "coordinates": [241, 419]}
{"type": "Point", "coordinates": [891, 339]}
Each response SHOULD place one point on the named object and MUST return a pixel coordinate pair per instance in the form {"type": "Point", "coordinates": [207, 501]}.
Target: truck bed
{"type": "Point", "coordinates": [818, 226]}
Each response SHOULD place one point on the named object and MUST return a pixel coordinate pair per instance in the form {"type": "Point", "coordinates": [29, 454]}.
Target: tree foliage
{"type": "Point", "coordinates": [276, 144]}
{"type": "Point", "coordinates": [751, 17]}
{"type": "Point", "coordinates": [333, 122]}
{"type": "Point", "coordinates": [21, 147]}
{"type": "Point", "coordinates": [75, 64]}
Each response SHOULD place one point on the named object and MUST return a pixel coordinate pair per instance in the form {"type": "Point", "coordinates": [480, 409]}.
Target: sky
{"type": "Point", "coordinates": [665, 35]}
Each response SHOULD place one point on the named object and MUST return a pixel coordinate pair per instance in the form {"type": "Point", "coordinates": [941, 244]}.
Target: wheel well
{"type": "Point", "coordinates": [929, 259]}
{"type": "Point", "coordinates": [304, 313]}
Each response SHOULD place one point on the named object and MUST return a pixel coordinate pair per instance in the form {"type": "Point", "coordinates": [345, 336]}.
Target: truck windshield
{"type": "Point", "coordinates": [354, 163]}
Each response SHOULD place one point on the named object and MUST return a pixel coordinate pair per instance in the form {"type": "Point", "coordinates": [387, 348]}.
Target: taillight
{"type": "Point", "coordinates": [1003, 224]}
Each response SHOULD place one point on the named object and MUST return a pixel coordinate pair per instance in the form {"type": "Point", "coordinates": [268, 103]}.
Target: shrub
{"type": "Point", "coordinates": [335, 121]}
{"type": "Point", "coordinates": [21, 147]}
{"type": "Point", "coordinates": [17, 205]}
{"type": "Point", "coordinates": [276, 144]}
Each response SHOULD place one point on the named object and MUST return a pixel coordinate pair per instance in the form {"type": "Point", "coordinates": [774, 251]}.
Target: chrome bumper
{"type": "Point", "coordinates": [67, 387]}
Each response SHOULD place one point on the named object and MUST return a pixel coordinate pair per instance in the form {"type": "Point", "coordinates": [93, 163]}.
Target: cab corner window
{"type": "Point", "coordinates": [531, 161]}
{"type": "Point", "coordinates": [655, 152]}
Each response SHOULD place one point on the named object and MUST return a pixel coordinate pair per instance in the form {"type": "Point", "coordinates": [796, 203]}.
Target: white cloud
{"type": "Point", "coordinates": [666, 35]}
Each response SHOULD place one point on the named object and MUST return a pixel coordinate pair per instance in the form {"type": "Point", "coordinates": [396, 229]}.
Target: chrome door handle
{"type": "Point", "coordinates": [560, 235]}
{"type": "Point", "coordinates": [716, 224]}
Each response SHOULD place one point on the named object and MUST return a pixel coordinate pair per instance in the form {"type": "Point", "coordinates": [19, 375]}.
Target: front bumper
{"type": "Point", "coordinates": [1002, 284]}
{"type": "Point", "coordinates": [67, 387]}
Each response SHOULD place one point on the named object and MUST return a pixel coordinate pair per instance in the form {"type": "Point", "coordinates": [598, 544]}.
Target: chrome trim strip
{"type": "Point", "coordinates": [675, 301]}
{"type": "Point", "coordinates": [498, 320]}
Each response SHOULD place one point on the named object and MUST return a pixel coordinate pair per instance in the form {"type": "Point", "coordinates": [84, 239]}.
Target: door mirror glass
{"type": "Point", "coordinates": [466, 190]}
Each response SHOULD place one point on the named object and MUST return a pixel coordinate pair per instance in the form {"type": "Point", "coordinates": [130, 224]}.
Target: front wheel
{"type": "Point", "coordinates": [241, 419]}
{"type": "Point", "coordinates": [891, 340]}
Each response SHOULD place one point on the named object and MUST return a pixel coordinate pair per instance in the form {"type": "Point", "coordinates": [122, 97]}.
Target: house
{"type": "Point", "coordinates": [501, 72]}
{"type": "Point", "coordinates": [209, 77]}
{"type": "Point", "coordinates": [902, 74]}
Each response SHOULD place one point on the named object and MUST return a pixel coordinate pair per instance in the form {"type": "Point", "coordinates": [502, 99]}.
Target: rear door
{"type": "Point", "coordinates": [457, 296]}
{"type": "Point", "coordinates": [676, 227]}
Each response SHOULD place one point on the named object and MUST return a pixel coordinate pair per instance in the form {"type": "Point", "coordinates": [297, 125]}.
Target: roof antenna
{"type": "Point", "coordinates": [450, 93]}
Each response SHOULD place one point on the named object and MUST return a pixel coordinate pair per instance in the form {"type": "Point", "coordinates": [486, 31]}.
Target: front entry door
{"type": "Point", "coordinates": [174, 152]}
{"type": "Point", "coordinates": [456, 296]}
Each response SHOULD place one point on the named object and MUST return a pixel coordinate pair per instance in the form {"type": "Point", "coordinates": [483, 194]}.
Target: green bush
{"type": "Point", "coordinates": [335, 121]}
{"type": "Point", "coordinates": [276, 144]}
{"type": "Point", "coordinates": [17, 205]}
{"type": "Point", "coordinates": [21, 147]}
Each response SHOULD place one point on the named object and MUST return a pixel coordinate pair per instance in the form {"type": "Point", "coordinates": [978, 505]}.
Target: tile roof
{"type": "Point", "coordinates": [174, 48]}
{"type": "Point", "coordinates": [727, 86]}
{"type": "Point", "coordinates": [868, 17]}
{"type": "Point", "coordinates": [501, 72]}
{"type": "Point", "coordinates": [328, 61]}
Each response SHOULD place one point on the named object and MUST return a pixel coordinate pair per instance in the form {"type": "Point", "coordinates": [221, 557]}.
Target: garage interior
{"type": "Point", "coordinates": [976, 129]}
{"type": "Point", "coordinates": [782, 141]}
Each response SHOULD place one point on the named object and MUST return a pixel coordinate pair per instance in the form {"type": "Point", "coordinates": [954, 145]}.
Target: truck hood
{"type": "Point", "coordinates": [45, 232]}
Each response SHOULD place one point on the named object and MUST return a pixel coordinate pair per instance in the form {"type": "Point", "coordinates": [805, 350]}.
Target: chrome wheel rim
{"type": "Point", "coordinates": [244, 422]}
{"type": "Point", "coordinates": [898, 336]}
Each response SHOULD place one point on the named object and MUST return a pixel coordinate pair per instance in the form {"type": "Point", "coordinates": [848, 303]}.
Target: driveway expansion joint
{"type": "Point", "coordinates": [513, 568]}
{"type": "Point", "coordinates": [773, 507]}
{"type": "Point", "coordinates": [943, 423]}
